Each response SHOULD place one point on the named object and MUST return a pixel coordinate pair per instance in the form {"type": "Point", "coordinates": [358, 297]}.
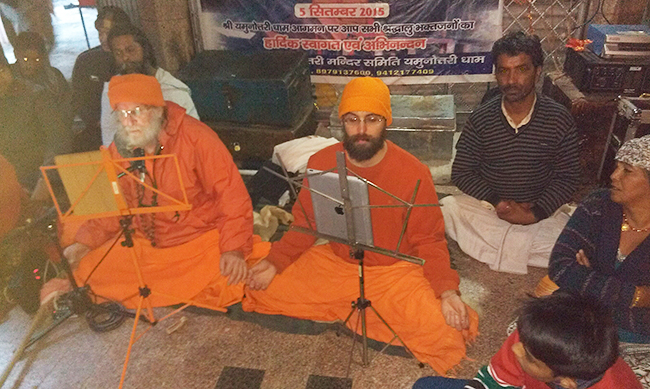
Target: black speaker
{"type": "Point", "coordinates": [25, 284]}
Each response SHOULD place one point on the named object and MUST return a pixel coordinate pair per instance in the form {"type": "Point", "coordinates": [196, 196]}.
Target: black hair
{"type": "Point", "coordinates": [573, 335]}
{"type": "Point", "coordinates": [113, 13]}
{"type": "Point", "coordinates": [516, 43]}
{"type": "Point", "coordinates": [148, 54]}
{"type": "Point", "coordinates": [30, 40]}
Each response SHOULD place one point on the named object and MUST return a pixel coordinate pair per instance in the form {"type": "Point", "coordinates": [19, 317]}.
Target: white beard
{"type": "Point", "coordinates": [127, 142]}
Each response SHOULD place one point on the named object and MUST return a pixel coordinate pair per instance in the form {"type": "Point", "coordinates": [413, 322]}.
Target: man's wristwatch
{"type": "Point", "coordinates": [641, 298]}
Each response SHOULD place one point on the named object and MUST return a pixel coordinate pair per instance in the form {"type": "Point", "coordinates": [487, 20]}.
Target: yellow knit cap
{"type": "Point", "coordinates": [366, 94]}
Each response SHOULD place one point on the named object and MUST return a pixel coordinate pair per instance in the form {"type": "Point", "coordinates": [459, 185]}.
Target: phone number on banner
{"type": "Point", "coordinates": [374, 73]}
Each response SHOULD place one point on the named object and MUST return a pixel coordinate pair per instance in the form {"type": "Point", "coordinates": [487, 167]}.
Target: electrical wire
{"type": "Point", "coordinates": [602, 12]}
{"type": "Point", "coordinates": [598, 8]}
{"type": "Point", "coordinates": [106, 316]}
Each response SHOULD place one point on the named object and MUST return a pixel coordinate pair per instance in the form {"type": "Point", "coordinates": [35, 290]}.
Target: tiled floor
{"type": "Point", "coordinates": [215, 351]}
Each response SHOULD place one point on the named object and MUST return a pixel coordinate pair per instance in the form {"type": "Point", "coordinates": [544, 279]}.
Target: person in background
{"type": "Point", "coordinates": [33, 66]}
{"type": "Point", "coordinates": [134, 54]}
{"type": "Point", "coordinates": [31, 129]}
{"type": "Point", "coordinates": [92, 69]}
{"type": "Point", "coordinates": [562, 341]}
{"type": "Point", "coordinates": [517, 162]}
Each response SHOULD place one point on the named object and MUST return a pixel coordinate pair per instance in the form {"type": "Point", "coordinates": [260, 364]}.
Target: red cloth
{"type": "Point", "coordinates": [214, 188]}
{"type": "Point", "coordinates": [506, 371]}
{"type": "Point", "coordinates": [10, 192]}
{"type": "Point", "coordinates": [397, 173]}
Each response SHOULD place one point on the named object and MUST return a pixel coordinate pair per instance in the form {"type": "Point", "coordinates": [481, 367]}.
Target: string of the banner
{"type": "Point", "coordinates": [531, 30]}
{"type": "Point", "coordinates": [575, 44]}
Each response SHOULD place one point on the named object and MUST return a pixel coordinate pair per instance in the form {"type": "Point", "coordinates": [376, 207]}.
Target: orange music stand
{"type": "Point", "coordinates": [102, 196]}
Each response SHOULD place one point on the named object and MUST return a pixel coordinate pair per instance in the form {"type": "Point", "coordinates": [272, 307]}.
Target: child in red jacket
{"type": "Point", "coordinates": [562, 341]}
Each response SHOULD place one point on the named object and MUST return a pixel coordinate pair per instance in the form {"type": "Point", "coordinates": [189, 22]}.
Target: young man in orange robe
{"type": "Point", "coordinates": [421, 303]}
{"type": "Point", "coordinates": [198, 254]}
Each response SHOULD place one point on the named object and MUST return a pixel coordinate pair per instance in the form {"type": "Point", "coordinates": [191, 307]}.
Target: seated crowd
{"type": "Point", "coordinates": [517, 164]}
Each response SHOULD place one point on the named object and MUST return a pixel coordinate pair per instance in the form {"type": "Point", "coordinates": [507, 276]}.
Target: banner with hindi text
{"type": "Point", "coordinates": [401, 41]}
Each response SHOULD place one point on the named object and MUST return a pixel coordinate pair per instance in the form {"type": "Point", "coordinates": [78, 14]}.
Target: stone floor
{"type": "Point", "coordinates": [215, 351]}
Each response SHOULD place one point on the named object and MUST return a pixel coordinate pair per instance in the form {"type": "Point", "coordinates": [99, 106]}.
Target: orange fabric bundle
{"type": "Point", "coordinates": [320, 286]}
{"type": "Point", "coordinates": [10, 193]}
{"type": "Point", "coordinates": [183, 272]}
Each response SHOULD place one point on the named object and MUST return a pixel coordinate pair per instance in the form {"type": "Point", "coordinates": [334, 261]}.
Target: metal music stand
{"type": "Point", "coordinates": [101, 196]}
{"type": "Point", "coordinates": [356, 248]}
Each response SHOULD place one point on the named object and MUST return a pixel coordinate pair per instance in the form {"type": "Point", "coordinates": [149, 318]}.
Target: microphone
{"type": "Point", "coordinates": [139, 165]}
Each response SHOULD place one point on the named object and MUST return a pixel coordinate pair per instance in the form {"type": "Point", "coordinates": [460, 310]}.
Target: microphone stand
{"type": "Point", "coordinates": [108, 167]}
{"type": "Point", "coordinates": [78, 300]}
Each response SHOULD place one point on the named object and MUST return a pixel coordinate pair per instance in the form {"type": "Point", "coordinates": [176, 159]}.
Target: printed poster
{"type": "Point", "coordinates": [401, 41]}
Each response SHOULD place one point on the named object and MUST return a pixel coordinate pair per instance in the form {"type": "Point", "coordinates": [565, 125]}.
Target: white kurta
{"type": "Point", "coordinates": [503, 246]}
{"type": "Point", "coordinates": [173, 90]}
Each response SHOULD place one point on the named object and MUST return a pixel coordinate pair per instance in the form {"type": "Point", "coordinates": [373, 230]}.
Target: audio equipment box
{"type": "Point", "coordinates": [590, 73]}
{"type": "Point", "coordinates": [619, 40]}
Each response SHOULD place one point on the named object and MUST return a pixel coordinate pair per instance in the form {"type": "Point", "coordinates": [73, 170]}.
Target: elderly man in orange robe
{"type": "Point", "coordinates": [198, 254]}
{"type": "Point", "coordinates": [421, 303]}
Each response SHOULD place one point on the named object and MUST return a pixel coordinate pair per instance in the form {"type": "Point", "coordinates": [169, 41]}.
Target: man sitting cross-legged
{"type": "Point", "coordinates": [421, 303]}
{"type": "Point", "coordinates": [197, 254]}
{"type": "Point", "coordinates": [517, 162]}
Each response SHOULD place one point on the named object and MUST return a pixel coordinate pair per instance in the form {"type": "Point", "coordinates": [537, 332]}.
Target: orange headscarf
{"type": "Point", "coordinates": [135, 88]}
{"type": "Point", "coordinates": [366, 94]}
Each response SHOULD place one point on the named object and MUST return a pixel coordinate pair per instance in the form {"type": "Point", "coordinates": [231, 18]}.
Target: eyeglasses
{"type": "Point", "coordinates": [369, 120]}
{"type": "Point", "coordinates": [133, 113]}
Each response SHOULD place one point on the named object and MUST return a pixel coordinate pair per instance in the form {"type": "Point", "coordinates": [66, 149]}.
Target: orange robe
{"type": "Point", "coordinates": [319, 282]}
{"type": "Point", "coordinates": [10, 192]}
{"type": "Point", "coordinates": [185, 259]}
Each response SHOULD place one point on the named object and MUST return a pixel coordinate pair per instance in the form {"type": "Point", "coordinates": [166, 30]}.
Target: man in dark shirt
{"type": "Point", "coordinates": [517, 163]}
{"type": "Point", "coordinates": [91, 70]}
{"type": "Point", "coordinates": [33, 66]}
{"type": "Point", "coordinates": [31, 131]}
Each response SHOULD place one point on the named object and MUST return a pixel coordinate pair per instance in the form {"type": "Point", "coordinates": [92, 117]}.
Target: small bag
{"type": "Point", "coordinates": [267, 185]}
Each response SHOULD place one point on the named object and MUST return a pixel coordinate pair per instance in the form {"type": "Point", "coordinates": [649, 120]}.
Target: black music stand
{"type": "Point", "coordinates": [356, 248]}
